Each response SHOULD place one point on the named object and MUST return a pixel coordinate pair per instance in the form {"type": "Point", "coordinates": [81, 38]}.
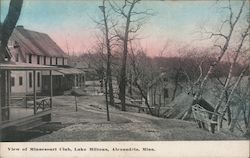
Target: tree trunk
{"type": "Point", "coordinates": [108, 80]}
{"type": "Point", "coordinates": [144, 96]}
{"type": "Point", "coordinates": [106, 98]}
{"type": "Point", "coordinates": [247, 134]}
{"type": "Point", "coordinates": [108, 47]}
{"type": "Point", "coordinates": [175, 84]}
{"type": "Point", "coordinates": [233, 123]}
{"type": "Point", "coordinates": [8, 25]}
{"type": "Point", "coordinates": [226, 86]}
{"type": "Point", "coordinates": [109, 77]}
{"type": "Point", "coordinates": [247, 119]}
{"type": "Point", "coordinates": [225, 89]}
{"type": "Point", "coordinates": [6, 30]}
{"type": "Point", "coordinates": [123, 81]}
{"type": "Point", "coordinates": [122, 87]}
{"type": "Point", "coordinates": [223, 49]}
{"type": "Point", "coordinates": [230, 97]}
{"type": "Point", "coordinates": [130, 85]}
{"type": "Point", "coordinates": [229, 113]}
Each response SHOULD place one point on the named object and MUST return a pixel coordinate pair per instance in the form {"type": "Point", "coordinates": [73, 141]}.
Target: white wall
{"type": "Point", "coordinates": [14, 56]}
{"type": "Point", "coordinates": [30, 89]}
{"type": "Point", "coordinates": [59, 61]}
{"type": "Point", "coordinates": [47, 61]}
{"type": "Point", "coordinates": [18, 88]}
{"type": "Point", "coordinates": [53, 60]}
{"type": "Point", "coordinates": [65, 61]}
{"type": "Point", "coordinates": [34, 59]}
{"type": "Point", "coordinates": [25, 87]}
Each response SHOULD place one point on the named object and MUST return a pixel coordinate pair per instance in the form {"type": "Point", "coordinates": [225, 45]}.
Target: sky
{"type": "Point", "coordinates": [70, 22]}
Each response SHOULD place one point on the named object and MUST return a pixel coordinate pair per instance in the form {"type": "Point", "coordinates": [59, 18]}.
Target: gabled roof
{"type": "Point", "coordinates": [31, 42]}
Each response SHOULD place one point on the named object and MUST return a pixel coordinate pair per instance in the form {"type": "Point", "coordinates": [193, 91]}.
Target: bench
{"type": "Point", "coordinates": [136, 101]}
{"type": "Point", "coordinates": [204, 117]}
{"type": "Point", "coordinates": [145, 109]}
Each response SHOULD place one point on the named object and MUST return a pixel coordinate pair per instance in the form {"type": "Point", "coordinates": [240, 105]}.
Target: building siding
{"type": "Point", "coordinates": [39, 44]}
{"type": "Point", "coordinates": [25, 88]}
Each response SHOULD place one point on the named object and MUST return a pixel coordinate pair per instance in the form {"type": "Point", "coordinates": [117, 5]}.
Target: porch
{"type": "Point", "coordinates": [20, 110]}
{"type": "Point", "coordinates": [64, 78]}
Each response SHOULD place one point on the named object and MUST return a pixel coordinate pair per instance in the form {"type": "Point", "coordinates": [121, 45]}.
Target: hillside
{"type": "Point", "coordinates": [89, 124]}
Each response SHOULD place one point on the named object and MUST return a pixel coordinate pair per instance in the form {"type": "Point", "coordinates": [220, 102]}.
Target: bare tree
{"type": "Point", "coordinates": [226, 38]}
{"type": "Point", "coordinates": [241, 100]}
{"type": "Point", "coordinates": [108, 50]}
{"type": "Point", "coordinates": [230, 73]}
{"type": "Point", "coordinates": [245, 102]}
{"type": "Point", "coordinates": [6, 29]}
{"type": "Point", "coordinates": [238, 53]}
{"type": "Point", "coordinates": [130, 16]}
{"type": "Point", "coordinates": [142, 74]}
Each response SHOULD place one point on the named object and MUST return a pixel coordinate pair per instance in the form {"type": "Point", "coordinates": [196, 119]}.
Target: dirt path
{"type": "Point", "coordinates": [89, 124]}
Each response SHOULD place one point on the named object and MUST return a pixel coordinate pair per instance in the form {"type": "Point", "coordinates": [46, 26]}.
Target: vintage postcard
{"type": "Point", "coordinates": [124, 78]}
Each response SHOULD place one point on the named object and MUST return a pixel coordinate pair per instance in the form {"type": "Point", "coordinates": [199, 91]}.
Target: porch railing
{"type": "Point", "coordinates": [43, 104]}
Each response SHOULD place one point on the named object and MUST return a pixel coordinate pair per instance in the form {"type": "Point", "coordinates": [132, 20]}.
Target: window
{"type": "Point", "coordinates": [38, 59]}
{"type": "Point", "coordinates": [38, 79]}
{"type": "Point", "coordinates": [16, 45]}
{"type": "Point", "coordinates": [63, 61]}
{"type": "Point", "coordinates": [166, 93]}
{"type": "Point", "coordinates": [30, 58]}
{"type": "Point", "coordinates": [56, 61]}
{"type": "Point", "coordinates": [30, 79]}
{"type": "Point", "coordinates": [12, 81]}
{"type": "Point", "coordinates": [44, 60]}
{"type": "Point", "coordinates": [50, 60]}
{"type": "Point", "coordinates": [20, 81]}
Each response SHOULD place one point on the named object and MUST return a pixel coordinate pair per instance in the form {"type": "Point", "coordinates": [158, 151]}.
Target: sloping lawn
{"type": "Point", "coordinates": [89, 124]}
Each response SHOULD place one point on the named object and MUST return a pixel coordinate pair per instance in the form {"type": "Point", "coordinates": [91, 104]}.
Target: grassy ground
{"type": "Point", "coordinates": [89, 124]}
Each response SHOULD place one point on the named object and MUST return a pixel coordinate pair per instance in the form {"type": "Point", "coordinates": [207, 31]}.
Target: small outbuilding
{"type": "Point", "coordinates": [162, 90]}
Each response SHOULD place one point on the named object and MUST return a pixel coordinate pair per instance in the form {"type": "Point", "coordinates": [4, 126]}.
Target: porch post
{"type": "Point", "coordinates": [1, 92]}
{"type": "Point", "coordinates": [84, 79]}
{"type": "Point", "coordinates": [34, 90]}
{"type": "Point", "coordinates": [80, 80]}
{"type": "Point", "coordinates": [75, 80]}
{"type": "Point", "coordinates": [0, 104]}
{"type": "Point", "coordinates": [51, 87]}
{"type": "Point", "coordinates": [8, 91]}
